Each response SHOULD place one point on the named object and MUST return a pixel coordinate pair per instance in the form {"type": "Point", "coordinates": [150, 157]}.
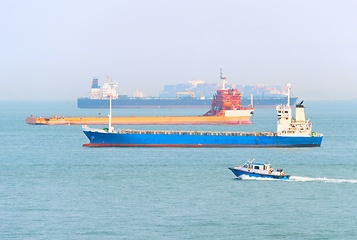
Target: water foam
{"type": "Point", "coordinates": [308, 179]}
{"type": "Point", "coordinates": [300, 179]}
{"type": "Point", "coordinates": [245, 177]}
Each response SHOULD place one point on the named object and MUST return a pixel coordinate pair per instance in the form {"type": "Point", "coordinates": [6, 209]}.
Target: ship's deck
{"type": "Point", "coordinates": [133, 131]}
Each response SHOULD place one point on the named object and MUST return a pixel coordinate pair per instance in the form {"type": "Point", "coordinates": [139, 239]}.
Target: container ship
{"type": "Point", "coordinates": [196, 94]}
{"type": "Point", "coordinates": [225, 109]}
{"type": "Point", "coordinates": [291, 132]}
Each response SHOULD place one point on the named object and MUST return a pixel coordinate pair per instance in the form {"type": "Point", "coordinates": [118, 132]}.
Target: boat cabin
{"type": "Point", "coordinates": [258, 166]}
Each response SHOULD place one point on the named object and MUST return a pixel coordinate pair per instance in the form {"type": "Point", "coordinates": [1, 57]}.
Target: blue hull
{"type": "Point", "coordinates": [100, 139]}
{"type": "Point", "coordinates": [241, 173]}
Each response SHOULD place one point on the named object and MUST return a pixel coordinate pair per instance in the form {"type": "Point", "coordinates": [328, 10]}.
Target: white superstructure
{"type": "Point", "coordinates": [109, 89]}
{"type": "Point", "coordinates": [95, 93]}
{"type": "Point", "coordinates": [287, 125]}
{"type": "Point", "coordinates": [238, 113]}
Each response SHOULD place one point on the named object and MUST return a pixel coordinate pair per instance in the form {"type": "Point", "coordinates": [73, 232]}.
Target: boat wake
{"type": "Point", "coordinates": [307, 179]}
{"type": "Point", "coordinates": [300, 179]}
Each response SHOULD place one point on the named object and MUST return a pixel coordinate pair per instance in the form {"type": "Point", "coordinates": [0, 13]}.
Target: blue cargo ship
{"type": "Point", "coordinates": [136, 138]}
{"type": "Point", "coordinates": [290, 133]}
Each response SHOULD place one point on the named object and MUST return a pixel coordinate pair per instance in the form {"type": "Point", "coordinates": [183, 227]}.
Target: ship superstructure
{"type": "Point", "coordinates": [226, 102]}
{"type": "Point", "coordinates": [109, 89]}
{"type": "Point", "coordinates": [95, 90]}
{"type": "Point", "coordinates": [289, 126]}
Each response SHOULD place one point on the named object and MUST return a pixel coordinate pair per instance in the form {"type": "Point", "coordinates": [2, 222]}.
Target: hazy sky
{"type": "Point", "coordinates": [53, 49]}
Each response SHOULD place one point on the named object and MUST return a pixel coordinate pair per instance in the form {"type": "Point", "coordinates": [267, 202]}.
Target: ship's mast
{"type": "Point", "coordinates": [289, 88]}
{"type": "Point", "coordinates": [110, 128]}
{"type": "Point", "coordinates": [224, 80]}
{"type": "Point", "coordinates": [289, 93]}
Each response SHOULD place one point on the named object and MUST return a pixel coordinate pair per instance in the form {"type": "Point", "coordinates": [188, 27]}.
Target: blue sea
{"type": "Point", "coordinates": [53, 188]}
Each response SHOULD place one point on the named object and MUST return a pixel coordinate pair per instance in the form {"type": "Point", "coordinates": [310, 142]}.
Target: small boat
{"type": "Point", "coordinates": [259, 170]}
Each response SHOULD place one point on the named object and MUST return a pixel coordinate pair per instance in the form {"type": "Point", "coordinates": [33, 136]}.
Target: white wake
{"type": "Point", "coordinates": [300, 179]}
{"type": "Point", "coordinates": [308, 179]}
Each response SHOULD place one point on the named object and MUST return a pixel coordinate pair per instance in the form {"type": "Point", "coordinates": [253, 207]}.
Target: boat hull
{"type": "Point", "coordinates": [240, 173]}
{"type": "Point", "coordinates": [174, 139]}
{"type": "Point", "coordinates": [184, 120]}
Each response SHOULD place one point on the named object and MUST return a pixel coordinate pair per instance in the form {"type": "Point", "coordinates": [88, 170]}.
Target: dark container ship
{"type": "Point", "coordinates": [196, 94]}
{"type": "Point", "coordinates": [130, 102]}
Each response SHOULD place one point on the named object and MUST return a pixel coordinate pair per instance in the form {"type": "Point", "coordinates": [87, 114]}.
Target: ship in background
{"type": "Point", "coordinates": [225, 109]}
{"type": "Point", "coordinates": [195, 94]}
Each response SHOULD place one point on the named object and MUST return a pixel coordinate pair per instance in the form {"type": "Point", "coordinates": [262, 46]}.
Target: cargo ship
{"type": "Point", "coordinates": [196, 94]}
{"type": "Point", "coordinates": [291, 132]}
{"type": "Point", "coordinates": [225, 109]}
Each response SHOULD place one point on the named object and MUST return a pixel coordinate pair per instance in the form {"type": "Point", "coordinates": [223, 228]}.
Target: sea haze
{"type": "Point", "coordinates": [53, 188]}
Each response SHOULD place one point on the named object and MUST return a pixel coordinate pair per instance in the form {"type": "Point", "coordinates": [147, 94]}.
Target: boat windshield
{"type": "Point", "coordinates": [245, 166]}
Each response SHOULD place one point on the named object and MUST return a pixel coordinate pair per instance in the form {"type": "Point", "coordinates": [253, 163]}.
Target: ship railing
{"type": "Point", "coordinates": [315, 134]}
{"type": "Point", "coordinates": [132, 131]}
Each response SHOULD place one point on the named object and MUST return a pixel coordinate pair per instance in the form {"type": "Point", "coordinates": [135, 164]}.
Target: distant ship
{"type": "Point", "coordinates": [184, 96]}
{"type": "Point", "coordinates": [225, 109]}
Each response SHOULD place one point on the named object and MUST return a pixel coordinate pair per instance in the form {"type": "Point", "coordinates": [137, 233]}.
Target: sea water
{"type": "Point", "coordinates": [53, 188]}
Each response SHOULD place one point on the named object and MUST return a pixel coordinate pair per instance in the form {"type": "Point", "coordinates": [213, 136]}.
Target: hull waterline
{"type": "Point", "coordinates": [135, 138]}
{"type": "Point", "coordinates": [239, 173]}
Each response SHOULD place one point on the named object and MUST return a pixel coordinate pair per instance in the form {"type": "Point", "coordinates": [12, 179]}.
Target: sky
{"type": "Point", "coordinates": [51, 50]}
